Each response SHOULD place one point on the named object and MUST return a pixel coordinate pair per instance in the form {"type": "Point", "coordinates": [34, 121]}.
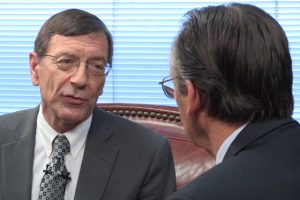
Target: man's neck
{"type": "Point", "coordinates": [216, 133]}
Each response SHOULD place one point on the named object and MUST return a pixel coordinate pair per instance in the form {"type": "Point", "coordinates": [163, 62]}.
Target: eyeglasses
{"type": "Point", "coordinates": [71, 63]}
{"type": "Point", "coordinates": [167, 86]}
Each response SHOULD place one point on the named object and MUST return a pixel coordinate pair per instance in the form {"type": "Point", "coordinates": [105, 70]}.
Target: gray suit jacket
{"type": "Point", "coordinates": [122, 160]}
{"type": "Point", "coordinates": [262, 163]}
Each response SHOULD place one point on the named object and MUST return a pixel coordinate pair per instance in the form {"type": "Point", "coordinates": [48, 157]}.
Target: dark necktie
{"type": "Point", "coordinates": [55, 180]}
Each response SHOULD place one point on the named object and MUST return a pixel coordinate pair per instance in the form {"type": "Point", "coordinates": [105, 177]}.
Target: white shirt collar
{"type": "Point", "coordinates": [76, 136]}
{"type": "Point", "coordinates": [225, 145]}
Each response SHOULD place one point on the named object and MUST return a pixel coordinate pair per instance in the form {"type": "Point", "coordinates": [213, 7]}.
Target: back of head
{"type": "Point", "coordinates": [238, 58]}
{"type": "Point", "coordinates": [72, 22]}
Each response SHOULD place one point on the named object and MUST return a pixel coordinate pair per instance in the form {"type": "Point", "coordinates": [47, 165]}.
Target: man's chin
{"type": "Point", "coordinates": [74, 116]}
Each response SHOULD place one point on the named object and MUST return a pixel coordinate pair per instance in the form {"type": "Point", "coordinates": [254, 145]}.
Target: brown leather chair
{"type": "Point", "coordinates": [190, 161]}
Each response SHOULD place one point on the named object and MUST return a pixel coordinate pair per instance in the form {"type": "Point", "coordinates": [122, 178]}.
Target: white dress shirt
{"type": "Point", "coordinates": [226, 144]}
{"type": "Point", "coordinates": [43, 149]}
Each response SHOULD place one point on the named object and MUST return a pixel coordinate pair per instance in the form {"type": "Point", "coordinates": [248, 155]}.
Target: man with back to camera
{"type": "Point", "coordinates": [67, 148]}
{"type": "Point", "coordinates": [232, 73]}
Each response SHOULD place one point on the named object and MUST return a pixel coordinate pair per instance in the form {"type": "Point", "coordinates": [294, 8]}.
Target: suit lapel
{"type": "Point", "coordinates": [98, 160]}
{"type": "Point", "coordinates": [253, 132]}
{"type": "Point", "coordinates": [18, 159]}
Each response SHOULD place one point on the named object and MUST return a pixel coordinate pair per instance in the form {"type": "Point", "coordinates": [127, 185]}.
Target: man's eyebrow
{"type": "Point", "coordinates": [98, 58]}
{"type": "Point", "coordinates": [66, 54]}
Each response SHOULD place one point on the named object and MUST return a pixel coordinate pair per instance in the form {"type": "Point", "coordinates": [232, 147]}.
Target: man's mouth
{"type": "Point", "coordinates": [74, 100]}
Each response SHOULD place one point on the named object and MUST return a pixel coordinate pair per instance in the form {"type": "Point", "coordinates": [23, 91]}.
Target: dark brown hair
{"type": "Point", "coordinates": [237, 57]}
{"type": "Point", "coordinates": [71, 22]}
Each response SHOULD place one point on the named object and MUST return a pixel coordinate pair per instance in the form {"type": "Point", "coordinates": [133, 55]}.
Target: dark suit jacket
{"type": "Point", "coordinates": [122, 160]}
{"type": "Point", "coordinates": [262, 163]}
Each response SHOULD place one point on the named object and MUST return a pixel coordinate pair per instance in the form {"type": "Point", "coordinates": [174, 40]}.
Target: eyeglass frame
{"type": "Point", "coordinates": [168, 91]}
{"type": "Point", "coordinates": [107, 66]}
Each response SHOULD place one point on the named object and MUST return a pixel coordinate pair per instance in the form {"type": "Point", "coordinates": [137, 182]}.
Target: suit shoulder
{"type": "Point", "coordinates": [126, 128]}
{"type": "Point", "coordinates": [12, 118]}
{"type": "Point", "coordinates": [8, 122]}
{"type": "Point", "coordinates": [216, 183]}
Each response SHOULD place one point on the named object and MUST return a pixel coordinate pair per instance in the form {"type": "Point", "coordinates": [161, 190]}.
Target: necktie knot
{"type": "Point", "coordinates": [61, 145]}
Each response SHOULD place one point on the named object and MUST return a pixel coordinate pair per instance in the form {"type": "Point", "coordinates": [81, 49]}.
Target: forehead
{"type": "Point", "coordinates": [81, 45]}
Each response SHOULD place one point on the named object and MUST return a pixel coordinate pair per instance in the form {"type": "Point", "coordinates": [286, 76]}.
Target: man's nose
{"type": "Point", "coordinates": [80, 75]}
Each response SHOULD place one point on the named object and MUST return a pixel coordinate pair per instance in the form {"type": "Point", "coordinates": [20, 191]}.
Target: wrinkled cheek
{"type": "Point", "coordinates": [51, 85]}
{"type": "Point", "coordinates": [101, 87]}
{"type": "Point", "coordinates": [48, 89]}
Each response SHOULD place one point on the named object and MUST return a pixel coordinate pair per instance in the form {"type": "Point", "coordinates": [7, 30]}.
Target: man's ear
{"type": "Point", "coordinates": [193, 99]}
{"type": "Point", "coordinates": [34, 68]}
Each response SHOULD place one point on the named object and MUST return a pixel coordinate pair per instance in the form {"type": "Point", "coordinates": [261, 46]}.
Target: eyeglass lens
{"type": "Point", "coordinates": [168, 87]}
{"type": "Point", "coordinates": [169, 92]}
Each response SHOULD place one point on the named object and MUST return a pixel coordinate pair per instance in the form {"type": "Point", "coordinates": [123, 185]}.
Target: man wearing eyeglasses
{"type": "Point", "coordinates": [232, 73]}
{"type": "Point", "coordinates": [66, 148]}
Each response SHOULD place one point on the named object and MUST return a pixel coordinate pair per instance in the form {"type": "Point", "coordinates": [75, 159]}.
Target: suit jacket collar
{"type": "Point", "coordinates": [18, 157]}
{"type": "Point", "coordinates": [98, 160]}
{"type": "Point", "coordinates": [97, 163]}
{"type": "Point", "coordinates": [252, 132]}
